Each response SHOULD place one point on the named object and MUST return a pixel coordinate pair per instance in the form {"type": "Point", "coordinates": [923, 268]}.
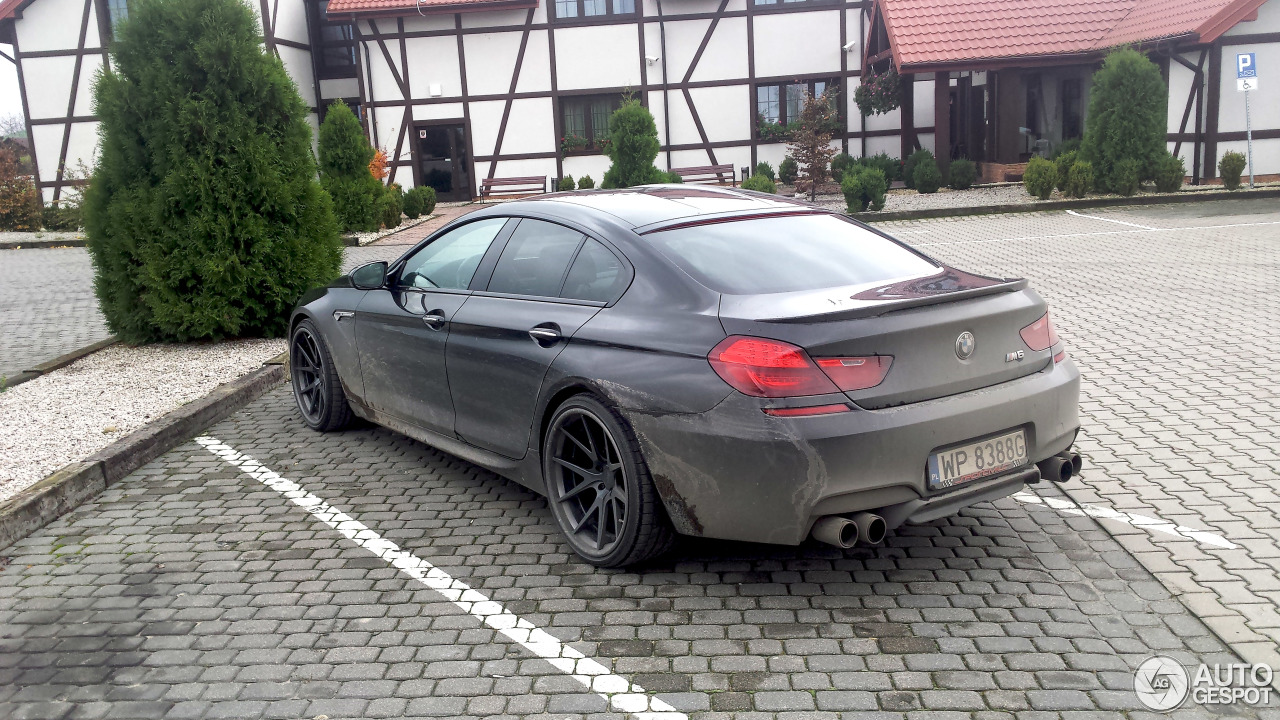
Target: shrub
{"type": "Point", "coordinates": [566, 184]}
{"type": "Point", "coordinates": [926, 176]}
{"type": "Point", "coordinates": [19, 201]}
{"type": "Point", "coordinates": [1128, 110]}
{"type": "Point", "coordinates": [811, 144]}
{"type": "Point", "coordinates": [1040, 177]}
{"type": "Point", "coordinates": [674, 178]}
{"type": "Point", "coordinates": [1064, 163]}
{"type": "Point", "coordinates": [839, 164]}
{"type": "Point", "coordinates": [204, 216]}
{"type": "Point", "coordinates": [759, 183]}
{"type": "Point", "coordinates": [633, 146]}
{"type": "Point", "coordinates": [390, 206]}
{"type": "Point", "coordinates": [891, 167]}
{"type": "Point", "coordinates": [62, 216]}
{"type": "Point", "coordinates": [1066, 146]}
{"type": "Point", "coordinates": [586, 183]}
{"type": "Point", "coordinates": [345, 156]}
{"type": "Point", "coordinates": [765, 169]}
{"type": "Point", "coordinates": [909, 167]}
{"type": "Point", "coordinates": [419, 201]}
{"type": "Point", "coordinates": [962, 175]}
{"type": "Point", "coordinates": [1231, 166]}
{"type": "Point", "coordinates": [1079, 179]}
{"type": "Point", "coordinates": [1126, 176]}
{"type": "Point", "coordinates": [864, 187]}
{"type": "Point", "coordinates": [1169, 173]}
{"type": "Point", "coordinates": [787, 170]}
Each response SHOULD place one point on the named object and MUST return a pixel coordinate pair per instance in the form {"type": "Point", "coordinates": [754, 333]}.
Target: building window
{"type": "Point", "coordinates": [333, 44]}
{"type": "Point", "coordinates": [570, 9]}
{"type": "Point", "coordinates": [117, 12]}
{"type": "Point", "coordinates": [585, 121]}
{"type": "Point", "coordinates": [778, 106]}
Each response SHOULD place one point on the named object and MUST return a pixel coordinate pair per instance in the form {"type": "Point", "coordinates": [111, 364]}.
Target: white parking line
{"type": "Point", "coordinates": [621, 694]}
{"type": "Point", "coordinates": [1110, 220]}
{"type": "Point", "coordinates": [1096, 234]}
{"type": "Point", "coordinates": [1141, 521]}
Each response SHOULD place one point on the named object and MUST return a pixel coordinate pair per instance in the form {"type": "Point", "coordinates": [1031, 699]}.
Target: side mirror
{"type": "Point", "coordinates": [370, 276]}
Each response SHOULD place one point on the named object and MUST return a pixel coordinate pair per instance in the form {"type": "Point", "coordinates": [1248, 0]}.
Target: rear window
{"type": "Point", "coordinates": [786, 254]}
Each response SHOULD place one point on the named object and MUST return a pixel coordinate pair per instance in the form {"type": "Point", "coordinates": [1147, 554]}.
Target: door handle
{"type": "Point", "coordinates": [434, 319]}
{"type": "Point", "coordinates": [546, 334]}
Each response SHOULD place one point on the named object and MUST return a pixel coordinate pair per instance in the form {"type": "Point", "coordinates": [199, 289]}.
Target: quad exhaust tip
{"type": "Point", "coordinates": [845, 533]}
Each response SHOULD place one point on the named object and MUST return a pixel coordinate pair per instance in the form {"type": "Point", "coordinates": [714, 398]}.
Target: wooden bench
{"type": "Point", "coordinates": [719, 174]}
{"type": "Point", "coordinates": [532, 185]}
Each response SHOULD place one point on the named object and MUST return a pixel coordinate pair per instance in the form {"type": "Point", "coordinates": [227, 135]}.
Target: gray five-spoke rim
{"type": "Point", "coordinates": [589, 481]}
{"type": "Point", "coordinates": [307, 367]}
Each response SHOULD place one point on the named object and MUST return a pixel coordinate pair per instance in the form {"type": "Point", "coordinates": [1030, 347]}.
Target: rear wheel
{"type": "Point", "coordinates": [316, 387]}
{"type": "Point", "coordinates": [599, 487]}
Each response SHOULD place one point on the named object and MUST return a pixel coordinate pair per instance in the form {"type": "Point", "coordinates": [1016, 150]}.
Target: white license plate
{"type": "Point", "coordinates": [979, 459]}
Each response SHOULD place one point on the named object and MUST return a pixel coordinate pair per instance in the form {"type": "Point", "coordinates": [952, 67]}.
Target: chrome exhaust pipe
{"type": "Point", "coordinates": [1056, 468]}
{"type": "Point", "coordinates": [1073, 457]}
{"type": "Point", "coordinates": [836, 530]}
{"type": "Point", "coordinates": [871, 528]}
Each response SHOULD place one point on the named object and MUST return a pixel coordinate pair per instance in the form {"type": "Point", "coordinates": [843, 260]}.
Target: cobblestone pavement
{"type": "Point", "coordinates": [47, 306]}
{"type": "Point", "coordinates": [191, 590]}
{"type": "Point", "coordinates": [1174, 331]}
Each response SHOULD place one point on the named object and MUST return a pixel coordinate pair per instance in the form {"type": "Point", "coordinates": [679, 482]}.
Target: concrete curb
{"type": "Point", "coordinates": [43, 244]}
{"type": "Point", "coordinates": [1084, 203]}
{"type": "Point", "coordinates": [64, 490]}
{"type": "Point", "coordinates": [61, 361]}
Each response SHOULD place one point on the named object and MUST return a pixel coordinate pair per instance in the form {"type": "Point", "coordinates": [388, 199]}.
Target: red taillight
{"type": "Point", "coordinates": [1040, 334]}
{"type": "Point", "coordinates": [767, 368]}
{"type": "Point", "coordinates": [807, 411]}
{"type": "Point", "coordinates": [771, 368]}
{"type": "Point", "coordinates": [856, 373]}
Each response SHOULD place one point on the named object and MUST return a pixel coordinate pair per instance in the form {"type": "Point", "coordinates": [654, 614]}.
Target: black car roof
{"type": "Point", "coordinates": [649, 205]}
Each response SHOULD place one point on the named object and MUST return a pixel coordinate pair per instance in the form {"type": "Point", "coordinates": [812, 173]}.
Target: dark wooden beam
{"type": "Point", "coordinates": [71, 103]}
{"type": "Point", "coordinates": [511, 91]}
{"type": "Point", "coordinates": [942, 122]}
{"type": "Point", "coordinates": [1211, 116]}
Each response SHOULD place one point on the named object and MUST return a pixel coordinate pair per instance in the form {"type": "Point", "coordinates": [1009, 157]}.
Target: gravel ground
{"type": "Point", "coordinates": [71, 413]}
{"type": "Point", "coordinates": [368, 237]}
{"type": "Point", "coordinates": [20, 238]}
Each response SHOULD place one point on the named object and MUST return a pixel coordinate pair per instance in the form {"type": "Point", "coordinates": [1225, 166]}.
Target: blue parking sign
{"type": "Point", "coordinates": [1246, 66]}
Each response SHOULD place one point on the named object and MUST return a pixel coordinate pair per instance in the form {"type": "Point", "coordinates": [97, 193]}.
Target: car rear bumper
{"type": "Point", "coordinates": [735, 473]}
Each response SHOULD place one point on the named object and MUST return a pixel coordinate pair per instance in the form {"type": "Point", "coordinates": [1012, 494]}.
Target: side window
{"type": "Point", "coordinates": [535, 259]}
{"type": "Point", "coordinates": [451, 259]}
{"type": "Point", "coordinates": [596, 274]}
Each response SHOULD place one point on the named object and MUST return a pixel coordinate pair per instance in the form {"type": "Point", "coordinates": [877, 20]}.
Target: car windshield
{"type": "Point", "coordinates": [786, 254]}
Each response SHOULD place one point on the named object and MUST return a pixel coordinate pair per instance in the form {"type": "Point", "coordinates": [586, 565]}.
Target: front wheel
{"type": "Point", "coordinates": [316, 387]}
{"type": "Point", "coordinates": [599, 488]}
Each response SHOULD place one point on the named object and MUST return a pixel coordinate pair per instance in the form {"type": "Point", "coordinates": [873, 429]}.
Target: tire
{"type": "Point", "coordinates": [316, 387]}
{"type": "Point", "coordinates": [578, 430]}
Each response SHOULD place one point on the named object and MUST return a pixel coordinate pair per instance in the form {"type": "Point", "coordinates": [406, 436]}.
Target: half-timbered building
{"type": "Point", "coordinates": [457, 91]}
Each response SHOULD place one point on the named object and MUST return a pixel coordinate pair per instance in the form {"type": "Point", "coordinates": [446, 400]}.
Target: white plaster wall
{"type": "Point", "coordinates": [519, 168]}
{"type": "Point", "coordinates": [298, 64]}
{"type": "Point", "coordinates": [726, 53]}
{"type": "Point", "coordinates": [485, 117]}
{"type": "Point", "coordinates": [799, 43]}
{"type": "Point", "coordinates": [89, 69]}
{"type": "Point", "coordinates": [683, 129]}
{"type": "Point", "coordinates": [655, 108]}
{"type": "Point", "coordinates": [891, 145]}
{"type": "Point", "coordinates": [439, 111]}
{"type": "Point", "coordinates": [1265, 102]}
{"type": "Point", "coordinates": [1268, 21]}
{"type": "Point", "coordinates": [339, 88]}
{"type": "Point", "coordinates": [47, 143]}
{"type": "Point", "coordinates": [596, 57]}
{"type": "Point", "coordinates": [48, 84]}
{"type": "Point", "coordinates": [54, 25]}
{"type": "Point", "coordinates": [1181, 81]}
{"type": "Point", "coordinates": [1266, 156]}
{"type": "Point", "coordinates": [291, 21]}
{"type": "Point", "coordinates": [416, 23]}
{"type": "Point", "coordinates": [593, 165]}
{"type": "Point", "coordinates": [431, 60]}
{"type": "Point", "coordinates": [923, 109]}
{"type": "Point", "coordinates": [491, 60]}
{"type": "Point", "coordinates": [724, 111]}
{"type": "Point", "coordinates": [530, 127]}
{"type": "Point", "coordinates": [535, 72]}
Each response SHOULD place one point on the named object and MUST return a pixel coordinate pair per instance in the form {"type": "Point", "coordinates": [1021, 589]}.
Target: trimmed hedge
{"type": "Point", "coordinates": [962, 174]}
{"type": "Point", "coordinates": [586, 183]}
{"type": "Point", "coordinates": [633, 146]}
{"type": "Point", "coordinates": [759, 183]}
{"type": "Point", "coordinates": [864, 187]}
{"type": "Point", "coordinates": [390, 206]}
{"type": "Point", "coordinates": [765, 169]}
{"type": "Point", "coordinates": [926, 177]}
{"type": "Point", "coordinates": [566, 184]}
{"type": "Point", "coordinates": [840, 164]}
{"type": "Point", "coordinates": [909, 167]}
{"type": "Point", "coordinates": [344, 170]}
{"type": "Point", "coordinates": [204, 217]}
{"type": "Point", "coordinates": [1231, 167]}
{"type": "Point", "coordinates": [1170, 171]}
{"type": "Point", "coordinates": [787, 170]}
{"type": "Point", "coordinates": [1127, 120]}
{"type": "Point", "coordinates": [1079, 179]}
{"type": "Point", "coordinates": [1040, 177]}
{"type": "Point", "coordinates": [419, 201]}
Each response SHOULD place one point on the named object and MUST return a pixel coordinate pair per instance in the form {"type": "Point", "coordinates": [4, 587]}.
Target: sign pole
{"type": "Point", "coordinates": [1248, 129]}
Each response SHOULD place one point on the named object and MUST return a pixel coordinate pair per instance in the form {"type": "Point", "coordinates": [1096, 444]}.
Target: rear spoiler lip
{"type": "Point", "coordinates": [875, 308]}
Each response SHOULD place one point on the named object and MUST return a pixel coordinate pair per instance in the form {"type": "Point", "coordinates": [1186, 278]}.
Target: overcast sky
{"type": "Point", "coordinates": [10, 100]}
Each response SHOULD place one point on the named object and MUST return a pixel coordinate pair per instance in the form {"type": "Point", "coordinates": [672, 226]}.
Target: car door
{"type": "Point", "coordinates": [401, 330]}
{"type": "Point", "coordinates": [504, 339]}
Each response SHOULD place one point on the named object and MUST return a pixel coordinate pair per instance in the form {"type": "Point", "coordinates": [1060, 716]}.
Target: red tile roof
{"type": "Point", "coordinates": [409, 7]}
{"type": "Point", "coordinates": [948, 32]}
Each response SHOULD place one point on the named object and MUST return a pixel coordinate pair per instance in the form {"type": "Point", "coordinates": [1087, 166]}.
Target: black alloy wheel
{"type": "Point", "coordinates": [599, 487]}
{"type": "Point", "coordinates": [316, 387]}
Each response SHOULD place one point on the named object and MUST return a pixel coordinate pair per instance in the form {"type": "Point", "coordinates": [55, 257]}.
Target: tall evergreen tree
{"type": "Point", "coordinates": [204, 215]}
{"type": "Point", "coordinates": [344, 169]}
{"type": "Point", "coordinates": [633, 146]}
{"type": "Point", "coordinates": [1128, 114]}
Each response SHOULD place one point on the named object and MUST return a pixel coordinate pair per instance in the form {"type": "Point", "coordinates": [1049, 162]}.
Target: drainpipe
{"type": "Point", "coordinates": [666, 97]}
